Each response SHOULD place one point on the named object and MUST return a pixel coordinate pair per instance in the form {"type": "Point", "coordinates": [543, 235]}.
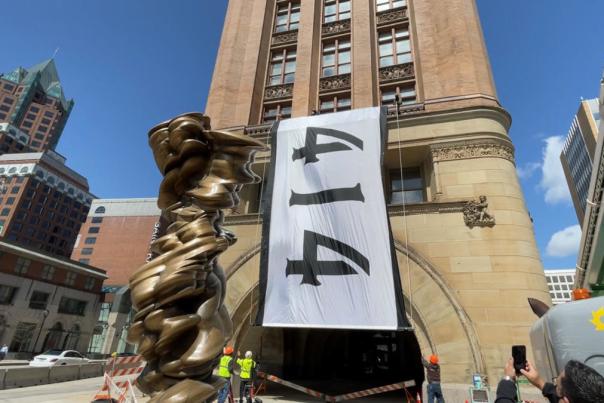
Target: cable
{"type": "Point", "coordinates": [398, 102]}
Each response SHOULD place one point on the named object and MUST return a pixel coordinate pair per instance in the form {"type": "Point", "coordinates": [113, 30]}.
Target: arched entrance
{"type": "Point", "coordinates": [53, 337]}
{"type": "Point", "coordinates": [439, 325]}
{"type": "Point", "coordinates": [73, 338]}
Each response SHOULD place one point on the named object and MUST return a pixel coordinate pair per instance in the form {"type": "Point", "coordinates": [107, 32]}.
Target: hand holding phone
{"type": "Point", "coordinates": [519, 355]}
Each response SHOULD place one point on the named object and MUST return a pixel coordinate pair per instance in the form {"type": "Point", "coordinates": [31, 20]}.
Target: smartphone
{"type": "Point", "coordinates": [519, 355]}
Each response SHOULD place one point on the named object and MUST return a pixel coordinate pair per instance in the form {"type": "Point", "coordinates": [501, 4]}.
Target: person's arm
{"type": "Point", "coordinates": [547, 389]}
{"type": "Point", "coordinates": [231, 366]}
{"type": "Point", "coordinates": [506, 390]}
{"type": "Point", "coordinates": [425, 363]}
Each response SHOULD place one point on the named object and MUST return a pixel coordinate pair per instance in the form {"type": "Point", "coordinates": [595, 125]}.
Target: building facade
{"type": "Point", "coordinates": [561, 284]}
{"type": "Point", "coordinates": [590, 259]}
{"type": "Point", "coordinates": [465, 284]}
{"type": "Point", "coordinates": [46, 302]}
{"type": "Point", "coordinates": [578, 153]}
{"type": "Point", "coordinates": [42, 201]}
{"type": "Point", "coordinates": [116, 237]}
{"type": "Point", "coordinates": [33, 100]}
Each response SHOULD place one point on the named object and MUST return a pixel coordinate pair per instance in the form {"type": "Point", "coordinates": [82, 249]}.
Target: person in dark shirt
{"type": "Point", "coordinates": [433, 375]}
{"type": "Point", "coordinates": [577, 383]}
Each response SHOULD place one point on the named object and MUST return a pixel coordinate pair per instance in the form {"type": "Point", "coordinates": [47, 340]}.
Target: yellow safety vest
{"type": "Point", "coordinates": [223, 368]}
{"type": "Point", "coordinates": [246, 365]}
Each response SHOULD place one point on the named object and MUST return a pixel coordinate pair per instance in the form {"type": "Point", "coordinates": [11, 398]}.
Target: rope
{"type": "Point", "coordinates": [400, 160]}
{"type": "Point", "coordinates": [255, 240]}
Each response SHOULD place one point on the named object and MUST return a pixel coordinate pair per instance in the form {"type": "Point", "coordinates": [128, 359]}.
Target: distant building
{"type": "Point", "coordinates": [42, 201]}
{"type": "Point", "coordinates": [33, 100]}
{"type": "Point", "coordinates": [590, 259]}
{"type": "Point", "coordinates": [116, 238]}
{"type": "Point", "coordinates": [578, 153]}
{"type": "Point", "coordinates": [560, 284]}
{"type": "Point", "coordinates": [46, 302]}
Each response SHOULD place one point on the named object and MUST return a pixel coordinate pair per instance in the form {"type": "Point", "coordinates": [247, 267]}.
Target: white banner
{"type": "Point", "coordinates": [328, 259]}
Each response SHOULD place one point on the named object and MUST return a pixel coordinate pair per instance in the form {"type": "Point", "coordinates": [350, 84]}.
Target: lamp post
{"type": "Point", "coordinates": [45, 314]}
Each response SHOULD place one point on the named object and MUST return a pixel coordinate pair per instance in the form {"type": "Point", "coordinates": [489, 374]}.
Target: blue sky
{"type": "Point", "coordinates": [131, 64]}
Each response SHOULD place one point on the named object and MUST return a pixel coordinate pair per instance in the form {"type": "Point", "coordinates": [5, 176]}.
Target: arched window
{"type": "Point", "coordinates": [73, 339]}
{"type": "Point", "coordinates": [61, 185]}
{"type": "Point", "coordinates": [100, 210]}
{"type": "Point", "coordinates": [54, 336]}
{"type": "Point", "coordinates": [23, 170]}
{"type": "Point", "coordinates": [12, 170]}
{"type": "Point", "coordinates": [51, 180]}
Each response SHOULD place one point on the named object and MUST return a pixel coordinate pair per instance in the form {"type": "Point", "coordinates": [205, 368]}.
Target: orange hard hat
{"type": "Point", "coordinates": [434, 359]}
{"type": "Point", "coordinates": [228, 350]}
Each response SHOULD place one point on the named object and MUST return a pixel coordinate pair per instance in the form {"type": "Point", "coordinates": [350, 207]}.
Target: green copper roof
{"type": "Point", "coordinates": [46, 73]}
{"type": "Point", "coordinates": [16, 76]}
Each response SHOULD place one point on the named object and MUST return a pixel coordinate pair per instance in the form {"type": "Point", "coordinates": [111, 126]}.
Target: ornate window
{"type": "Point", "coordinates": [283, 67]}
{"type": "Point", "coordinates": [48, 272]}
{"type": "Point", "coordinates": [275, 112]}
{"type": "Point", "coordinates": [408, 190]}
{"type": "Point", "coordinates": [70, 278]}
{"type": "Point", "coordinates": [22, 265]}
{"type": "Point", "coordinates": [395, 47]}
{"type": "Point", "coordinates": [335, 103]}
{"type": "Point", "coordinates": [336, 10]}
{"type": "Point", "coordinates": [336, 58]}
{"type": "Point", "coordinates": [406, 95]}
{"type": "Point", "coordinates": [288, 17]}
{"type": "Point", "coordinates": [382, 5]}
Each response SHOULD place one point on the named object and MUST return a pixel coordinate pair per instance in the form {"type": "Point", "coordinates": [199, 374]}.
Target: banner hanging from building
{"type": "Point", "coordinates": [328, 259]}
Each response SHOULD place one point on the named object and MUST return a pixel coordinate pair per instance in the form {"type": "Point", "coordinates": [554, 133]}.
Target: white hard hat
{"type": "Point", "coordinates": [248, 354]}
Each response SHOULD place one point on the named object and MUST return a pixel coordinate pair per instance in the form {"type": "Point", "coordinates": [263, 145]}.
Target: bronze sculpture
{"type": "Point", "coordinates": [181, 323]}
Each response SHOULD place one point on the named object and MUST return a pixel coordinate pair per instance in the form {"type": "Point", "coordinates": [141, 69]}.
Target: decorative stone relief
{"type": "Point", "coordinates": [405, 110]}
{"type": "Point", "coordinates": [285, 37]}
{"type": "Point", "coordinates": [279, 91]}
{"type": "Point", "coordinates": [472, 149]}
{"type": "Point", "coordinates": [475, 213]}
{"type": "Point", "coordinates": [397, 72]}
{"type": "Point", "coordinates": [258, 131]}
{"type": "Point", "coordinates": [340, 82]}
{"type": "Point", "coordinates": [336, 27]}
{"type": "Point", "coordinates": [391, 16]}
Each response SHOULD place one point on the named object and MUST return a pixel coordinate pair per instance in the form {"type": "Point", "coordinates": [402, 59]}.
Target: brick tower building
{"type": "Point", "coordinates": [465, 279]}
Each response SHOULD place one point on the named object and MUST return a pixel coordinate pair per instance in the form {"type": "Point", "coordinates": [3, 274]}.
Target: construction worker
{"type": "Point", "coordinates": [247, 365]}
{"type": "Point", "coordinates": [225, 369]}
{"type": "Point", "coordinates": [433, 374]}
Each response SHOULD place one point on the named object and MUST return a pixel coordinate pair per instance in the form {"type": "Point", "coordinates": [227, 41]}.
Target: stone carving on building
{"type": "Point", "coordinates": [181, 324]}
{"type": "Point", "coordinates": [336, 27]}
{"type": "Point", "coordinates": [483, 148]}
{"type": "Point", "coordinates": [475, 213]}
{"type": "Point", "coordinates": [340, 82]}
{"type": "Point", "coordinates": [279, 91]}
{"type": "Point", "coordinates": [285, 38]}
{"type": "Point", "coordinates": [388, 17]}
{"type": "Point", "coordinates": [397, 72]}
{"type": "Point", "coordinates": [404, 110]}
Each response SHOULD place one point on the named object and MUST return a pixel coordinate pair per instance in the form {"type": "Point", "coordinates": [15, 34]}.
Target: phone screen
{"type": "Point", "coordinates": [519, 355]}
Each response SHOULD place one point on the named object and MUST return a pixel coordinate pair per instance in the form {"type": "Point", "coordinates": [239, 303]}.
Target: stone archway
{"type": "Point", "coordinates": [440, 323]}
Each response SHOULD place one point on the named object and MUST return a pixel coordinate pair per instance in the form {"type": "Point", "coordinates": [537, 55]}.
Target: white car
{"type": "Point", "coordinates": [58, 357]}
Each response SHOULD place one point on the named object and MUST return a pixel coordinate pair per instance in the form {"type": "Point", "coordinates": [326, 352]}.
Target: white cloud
{"type": "Point", "coordinates": [526, 170]}
{"type": "Point", "coordinates": [564, 242]}
{"type": "Point", "coordinates": [553, 181]}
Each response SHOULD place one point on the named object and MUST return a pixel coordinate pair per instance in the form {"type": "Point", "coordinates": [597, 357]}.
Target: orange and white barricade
{"type": "Point", "coordinates": [124, 369]}
{"type": "Point", "coordinates": [120, 376]}
{"type": "Point", "coordinates": [111, 392]}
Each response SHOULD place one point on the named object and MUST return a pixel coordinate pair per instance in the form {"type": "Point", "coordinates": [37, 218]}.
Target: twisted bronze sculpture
{"type": "Point", "coordinates": [181, 323]}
